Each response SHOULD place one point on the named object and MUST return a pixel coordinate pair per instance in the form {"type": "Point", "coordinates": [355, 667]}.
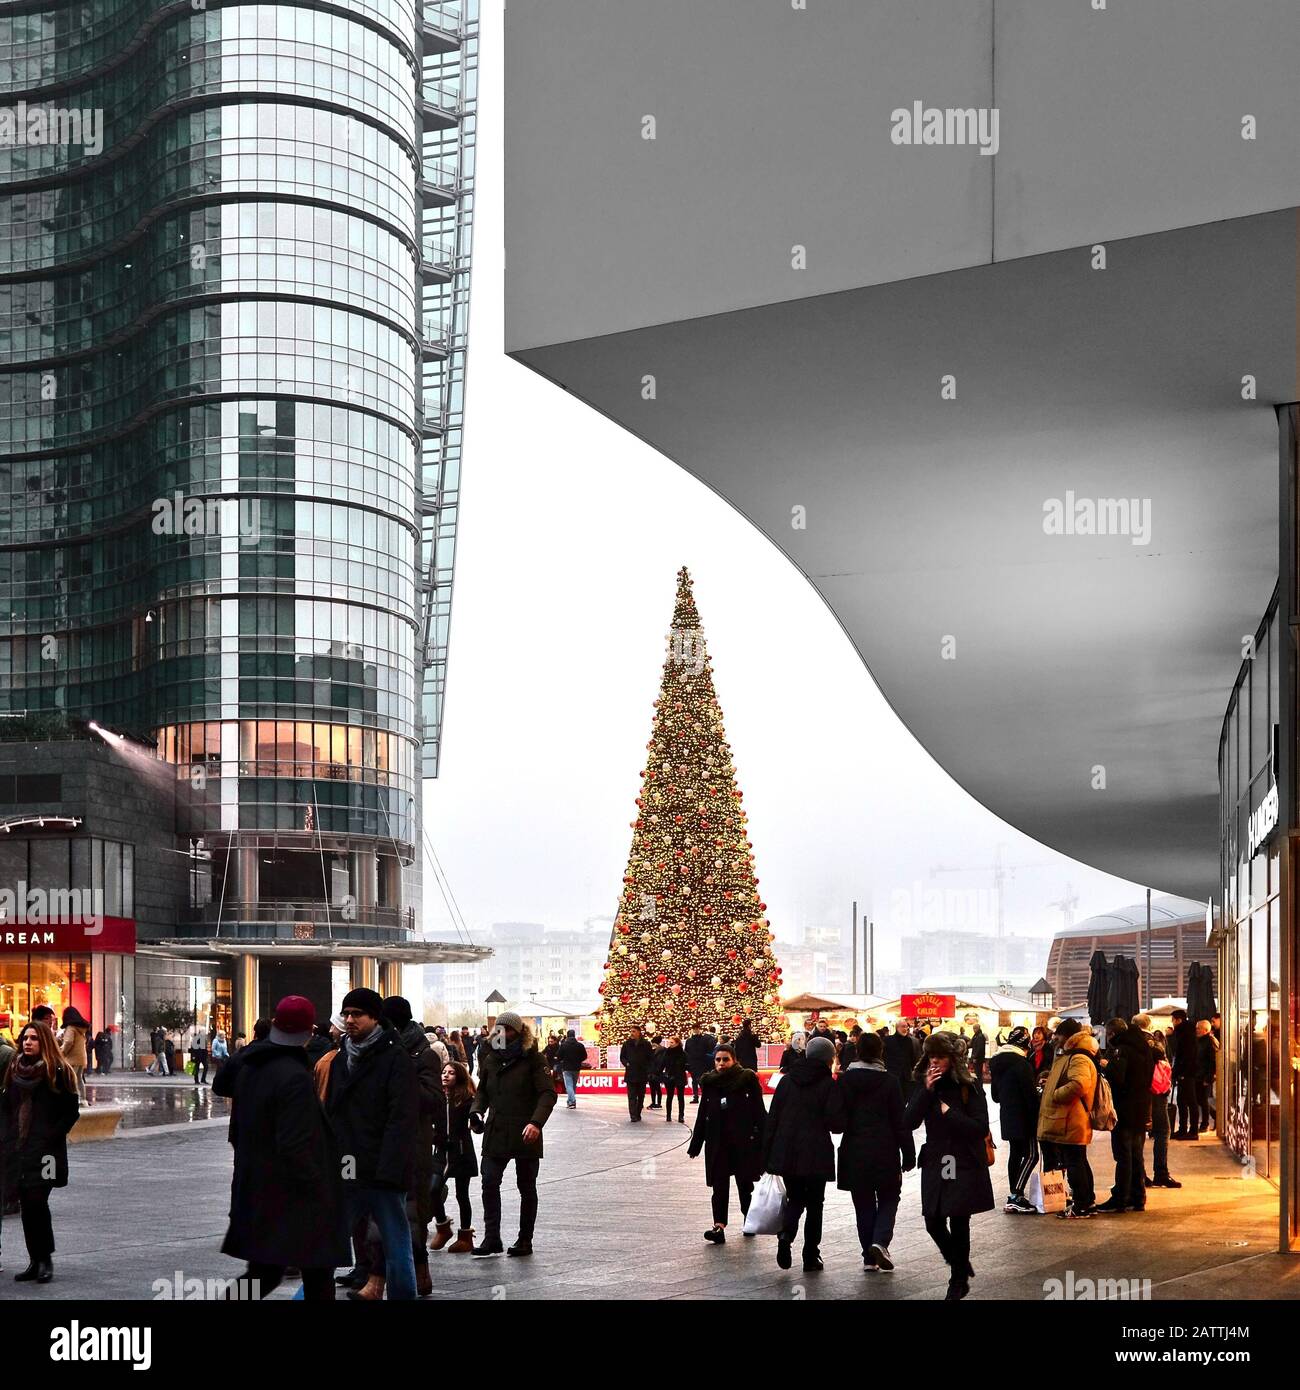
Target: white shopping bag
{"type": "Point", "coordinates": [1047, 1192]}
{"type": "Point", "coordinates": [766, 1214]}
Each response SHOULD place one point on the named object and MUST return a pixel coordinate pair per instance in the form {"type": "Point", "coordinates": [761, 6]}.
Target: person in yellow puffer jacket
{"type": "Point", "coordinates": [1065, 1115]}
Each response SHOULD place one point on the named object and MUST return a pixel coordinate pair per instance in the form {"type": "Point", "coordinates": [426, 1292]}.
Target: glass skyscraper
{"type": "Point", "coordinates": [234, 289]}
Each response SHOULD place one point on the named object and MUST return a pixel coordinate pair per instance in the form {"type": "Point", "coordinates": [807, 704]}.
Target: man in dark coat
{"type": "Point", "coordinates": [747, 1046]}
{"type": "Point", "coordinates": [572, 1057]}
{"type": "Point", "coordinates": [979, 1046]}
{"type": "Point", "coordinates": [517, 1094]}
{"type": "Point", "coordinates": [1129, 1067]}
{"type": "Point", "coordinates": [286, 1196]}
{"type": "Point", "coordinates": [636, 1056]}
{"type": "Point", "coordinates": [901, 1055]}
{"type": "Point", "coordinates": [797, 1146]}
{"type": "Point", "coordinates": [699, 1049]}
{"type": "Point", "coordinates": [1015, 1092]}
{"type": "Point", "coordinates": [428, 1076]}
{"type": "Point", "coordinates": [1183, 1060]}
{"type": "Point", "coordinates": [372, 1101]}
{"type": "Point", "coordinates": [877, 1148]}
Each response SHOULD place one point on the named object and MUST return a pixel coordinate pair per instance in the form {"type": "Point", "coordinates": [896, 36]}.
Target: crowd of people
{"type": "Point", "coordinates": [351, 1137]}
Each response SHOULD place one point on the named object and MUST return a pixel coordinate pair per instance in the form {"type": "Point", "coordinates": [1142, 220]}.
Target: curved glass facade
{"type": "Point", "coordinates": [234, 259]}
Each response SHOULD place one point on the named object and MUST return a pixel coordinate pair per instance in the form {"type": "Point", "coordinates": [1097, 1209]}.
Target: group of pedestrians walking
{"type": "Point", "coordinates": [350, 1140]}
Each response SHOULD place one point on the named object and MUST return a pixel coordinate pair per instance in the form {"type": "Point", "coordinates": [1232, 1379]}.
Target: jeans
{"type": "Point", "coordinates": [493, 1170]}
{"type": "Point", "coordinates": [1160, 1136]}
{"type": "Point", "coordinates": [952, 1236]}
{"type": "Point", "coordinates": [1203, 1101]}
{"type": "Point", "coordinates": [1021, 1164]}
{"type": "Point", "coordinates": [876, 1208]}
{"type": "Point", "coordinates": [805, 1195]}
{"type": "Point", "coordinates": [388, 1211]}
{"type": "Point", "coordinates": [1129, 1189]}
{"type": "Point", "coordinates": [571, 1086]}
{"type": "Point", "coordinates": [722, 1197]}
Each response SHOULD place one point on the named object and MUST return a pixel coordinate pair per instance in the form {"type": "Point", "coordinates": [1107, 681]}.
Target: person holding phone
{"type": "Point", "coordinates": [954, 1164]}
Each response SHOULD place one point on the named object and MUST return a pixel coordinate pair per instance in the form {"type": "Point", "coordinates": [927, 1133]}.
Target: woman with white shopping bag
{"type": "Point", "coordinates": [729, 1129]}
{"type": "Point", "coordinates": [798, 1147]}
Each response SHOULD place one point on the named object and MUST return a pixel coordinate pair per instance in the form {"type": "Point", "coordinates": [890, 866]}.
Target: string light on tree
{"type": "Point", "coordinates": [690, 902]}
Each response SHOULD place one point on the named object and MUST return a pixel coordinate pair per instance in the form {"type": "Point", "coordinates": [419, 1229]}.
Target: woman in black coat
{"type": "Point", "coordinates": [454, 1159]}
{"type": "Point", "coordinates": [672, 1067]}
{"type": "Point", "coordinates": [876, 1150]}
{"type": "Point", "coordinates": [286, 1196]}
{"type": "Point", "coordinates": [1015, 1091]}
{"type": "Point", "coordinates": [954, 1160]}
{"type": "Point", "coordinates": [729, 1128]}
{"type": "Point", "coordinates": [747, 1046]}
{"type": "Point", "coordinates": [797, 1146]}
{"type": "Point", "coordinates": [793, 1051]}
{"type": "Point", "coordinates": [37, 1109]}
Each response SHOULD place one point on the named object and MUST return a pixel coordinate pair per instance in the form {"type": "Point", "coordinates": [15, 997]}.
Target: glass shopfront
{"type": "Point", "coordinates": [1249, 1112]}
{"type": "Point", "coordinates": [99, 984]}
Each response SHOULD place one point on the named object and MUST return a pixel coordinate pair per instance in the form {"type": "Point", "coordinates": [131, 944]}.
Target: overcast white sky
{"type": "Point", "coordinates": [571, 534]}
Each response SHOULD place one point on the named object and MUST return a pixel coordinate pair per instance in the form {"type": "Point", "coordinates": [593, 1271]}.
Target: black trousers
{"type": "Point", "coordinates": [695, 1084]}
{"type": "Point", "coordinates": [1189, 1110]}
{"type": "Point", "coordinates": [462, 1182]}
{"type": "Point", "coordinates": [1203, 1101]}
{"type": "Point", "coordinates": [952, 1235]}
{"type": "Point", "coordinates": [635, 1096]}
{"type": "Point", "coordinates": [1129, 1149]}
{"type": "Point", "coordinates": [655, 1090]}
{"type": "Point", "coordinates": [38, 1229]}
{"type": "Point", "coordinates": [1021, 1164]}
{"type": "Point", "coordinates": [678, 1089]}
{"type": "Point", "coordinates": [806, 1200]}
{"type": "Point", "coordinates": [200, 1069]}
{"type": "Point", "coordinates": [317, 1284]}
{"type": "Point", "coordinates": [1160, 1135]}
{"type": "Point", "coordinates": [493, 1170]}
{"type": "Point", "coordinates": [722, 1197]}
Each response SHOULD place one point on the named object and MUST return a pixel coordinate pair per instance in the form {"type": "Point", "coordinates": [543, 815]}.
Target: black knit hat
{"type": "Point", "coordinates": [397, 1010]}
{"type": "Point", "coordinates": [364, 999]}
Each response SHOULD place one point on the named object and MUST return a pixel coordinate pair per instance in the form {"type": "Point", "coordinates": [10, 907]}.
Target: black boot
{"type": "Point", "coordinates": [29, 1274]}
{"type": "Point", "coordinates": [957, 1289]}
{"type": "Point", "coordinates": [44, 1270]}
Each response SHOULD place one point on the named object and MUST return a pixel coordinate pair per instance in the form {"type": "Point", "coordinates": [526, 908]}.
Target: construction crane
{"type": "Point", "coordinates": [1067, 902]}
{"type": "Point", "coordinates": [1002, 874]}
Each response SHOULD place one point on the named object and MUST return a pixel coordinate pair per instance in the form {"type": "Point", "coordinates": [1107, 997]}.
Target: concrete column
{"type": "Point", "coordinates": [390, 979]}
{"type": "Point", "coordinates": [390, 880]}
{"type": "Point", "coordinates": [362, 871]}
{"type": "Point", "coordinates": [363, 972]}
{"type": "Point", "coordinates": [247, 983]}
{"type": "Point", "coordinates": [246, 882]}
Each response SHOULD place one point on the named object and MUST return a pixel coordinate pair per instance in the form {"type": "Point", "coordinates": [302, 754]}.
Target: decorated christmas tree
{"type": "Point", "coordinates": [691, 940]}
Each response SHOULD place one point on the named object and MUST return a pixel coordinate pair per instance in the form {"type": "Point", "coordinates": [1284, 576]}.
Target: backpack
{"type": "Point", "coordinates": [1102, 1116]}
{"type": "Point", "coordinates": [1161, 1078]}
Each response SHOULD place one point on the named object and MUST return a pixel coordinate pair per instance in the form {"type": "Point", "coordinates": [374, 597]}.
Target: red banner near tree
{"type": "Point", "coordinates": [935, 1006]}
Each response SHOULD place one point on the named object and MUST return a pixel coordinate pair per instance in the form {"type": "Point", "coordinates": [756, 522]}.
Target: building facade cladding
{"type": "Point", "coordinates": [232, 341]}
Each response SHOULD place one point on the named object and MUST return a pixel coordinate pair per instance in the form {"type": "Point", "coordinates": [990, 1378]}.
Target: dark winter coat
{"type": "Point", "coordinates": [286, 1196]}
{"type": "Point", "coordinates": [1182, 1057]}
{"type": "Point", "coordinates": [1207, 1057]}
{"type": "Point", "coordinates": [513, 1093]}
{"type": "Point", "coordinates": [1015, 1092]}
{"type": "Point", "coordinates": [901, 1055]}
{"type": "Point", "coordinates": [317, 1047]}
{"type": "Point", "coordinates": [797, 1142]}
{"type": "Point", "coordinates": [637, 1056]}
{"type": "Point", "coordinates": [730, 1126]}
{"type": "Point", "coordinates": [672, 1066]}
{"type": "Point", "coordinates": [54, 1112]}
{"type": "Point", "coordinates": [428, 1077]}
{"type": "Point", "coordinates": [747, 1049]}
{"type": "Point", "coordinates": [452, 1141]}
{"type": "Point", "coordinates": [699, 1048]}
{"type": "Point", "coordinates": [953, 1159]}
{"type": "Point", "coordinates": [1128, 1072]}
{"type": "Point", "coordinates": [877, 1146]}
{"type": "Point", "coordinates": [573, 1055]}
{"type": "Point", "coordinates": [788, 1058]}
{"type": "Point", "coordinates": [374, 1110]}
{"type": "Point", "coordinates": [1040, 1061]}
{"type": "Point", "coordinates": [979, 1046]}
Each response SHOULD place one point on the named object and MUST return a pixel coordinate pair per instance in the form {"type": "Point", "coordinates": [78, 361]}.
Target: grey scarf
{"type": "Point", "coordinates": [356, 1050]}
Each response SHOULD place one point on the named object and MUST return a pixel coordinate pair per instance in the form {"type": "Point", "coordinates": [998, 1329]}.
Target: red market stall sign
{"type": "Point", "coordinates": [935, 1006]}
{"type": "Point", "coordinates": [116, 934]}
{"type": "Point", "coordinates": [612, 1083]}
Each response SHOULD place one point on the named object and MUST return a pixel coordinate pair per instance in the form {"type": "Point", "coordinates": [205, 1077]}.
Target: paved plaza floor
{"type": "Point", "coordinates": [623, 1211]}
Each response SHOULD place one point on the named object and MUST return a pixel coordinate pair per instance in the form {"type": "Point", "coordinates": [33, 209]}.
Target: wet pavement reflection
{"type": "Point", "coordinates": [161, 1103]}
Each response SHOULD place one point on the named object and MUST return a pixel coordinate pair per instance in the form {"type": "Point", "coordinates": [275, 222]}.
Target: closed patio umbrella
{"type": "Point", "coordinates": [1124, 987]}
{"type": "Point", "coordinates": [1098, 988]}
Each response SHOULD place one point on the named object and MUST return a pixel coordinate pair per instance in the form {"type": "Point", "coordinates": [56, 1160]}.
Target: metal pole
{"type": "Point", "coordinates": [871, 957]}
{"type": "Point", "coordinates": [1147, 971]}
{"type": "Point", "coordinates": [855, 945]}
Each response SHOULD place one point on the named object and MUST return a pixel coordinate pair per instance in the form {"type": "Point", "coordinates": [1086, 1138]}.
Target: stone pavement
{"type": "Point", "coordinates": [623, 1211]}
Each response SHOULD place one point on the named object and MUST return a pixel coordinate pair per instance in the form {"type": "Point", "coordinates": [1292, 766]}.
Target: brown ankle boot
{"type": "Point", "coordinates": [464, 1242]}
{"type": "Point", "coordinates": [423, 1281]}
{"type": "Point", "coordinates": [372, 1293]}
{"type": "Point", "coordinates": [442, 1236]}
